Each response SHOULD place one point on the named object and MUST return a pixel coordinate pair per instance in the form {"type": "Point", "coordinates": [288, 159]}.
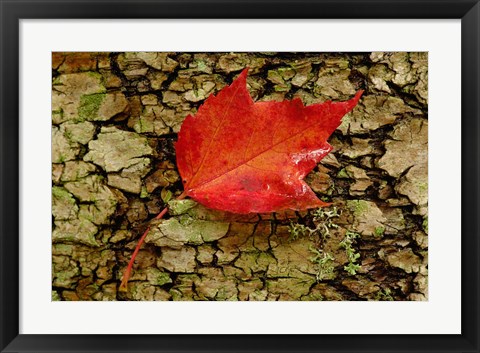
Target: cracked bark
{"type": "Point", "coordinates": [115, 117]}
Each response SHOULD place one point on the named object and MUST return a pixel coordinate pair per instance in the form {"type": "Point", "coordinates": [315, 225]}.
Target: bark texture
{"type": "Point", "coordinates": [114, 122]}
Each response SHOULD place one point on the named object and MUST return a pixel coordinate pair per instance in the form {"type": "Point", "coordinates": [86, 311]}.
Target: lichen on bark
{"type": "Point", "coordinates": [115, 117]}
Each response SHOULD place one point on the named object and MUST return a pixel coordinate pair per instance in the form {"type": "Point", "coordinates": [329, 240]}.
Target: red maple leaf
{"type": "Point", "coordinates": [240, 156]}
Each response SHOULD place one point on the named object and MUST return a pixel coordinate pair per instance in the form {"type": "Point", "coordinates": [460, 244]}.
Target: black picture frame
{"type": "Point", "coordinates": [12, 11]}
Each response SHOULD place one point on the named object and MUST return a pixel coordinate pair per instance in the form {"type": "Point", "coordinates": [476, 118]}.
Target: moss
{"type": "Point", "coordinates": [275, 77]}
{"type": "Point", "coordinates": [178, 207]}
{"type": "Point", "coordinates": [283, 87]}
{"type": "Point", "coordinates": [194, 237]}
{"type": "Point", "coordinates": [55, 296]}
{"type": "Point", "coordinates": [176, 295]}
{"type": "Point", "coordinates": [144, 125]}
{"type": "Point", "coordinates": [100, 79]}
{"type": "Point", "coordinates": [78, 231]}
{"type": "Point", "coordinates": [201, 66]}
{"type": "Point", "coordinates": [62, 194]}
{"type": "Point", "coordinates": [166, 195]}
{"type": "Point", "coordinates": [358, 206]}
{"type": "Point", "coordinates": [87, 216]}
{"type": "Point", "coordinates": [423, 187]}
{"type": "Point", "coordinates": [425, 224]}
{"type": "Point", "coordinates": [184, 220]}
{"type": "Point", "coordinates": [89, 105]}
{"type": "Point", "coordinates": [57, 81]}
{"type": "Point", "coordinates": [63, 249]}
{"type": "Point", "coordinates": [379, 231]}
{"type": "Point", "coordinates": [343, 174]}
{"type": "Point", "coordinates": [61, 158]}
{"type": "Point", "coordinates": [63, 204]}
{"type": "Point", "coordinates": [58, 112]}
{"type": "Point", "coordinates": [66, 278]}
{"type": "Point", "coordinates": [157, 277]}
{"type": "Point", "coordinates": [94, 74]}
{"type": "Point", "coordinates": [68, 135]}
{"type": "Point", "coordinates": [144, 193]}
{"type": "Point", "coordinates": [286, 72]}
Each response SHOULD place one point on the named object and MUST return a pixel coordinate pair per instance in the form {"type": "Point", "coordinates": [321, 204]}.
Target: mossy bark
{"type": "Point", "coordinates": [115, 118]}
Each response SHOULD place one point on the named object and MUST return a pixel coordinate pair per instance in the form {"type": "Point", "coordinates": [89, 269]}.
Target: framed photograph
{"type": "Point", "coordinates": [234, 176]}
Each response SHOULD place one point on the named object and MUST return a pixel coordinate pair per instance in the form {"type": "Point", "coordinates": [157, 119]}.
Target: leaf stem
{"type": "Point", "coordinates": [127, 273]}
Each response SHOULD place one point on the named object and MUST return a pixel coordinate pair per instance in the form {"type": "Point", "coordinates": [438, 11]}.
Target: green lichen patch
{"type": "Point", "coordinates": [359, 207]}
{"type": "Point", "coordinates": [343, 174]}
{"type": "Point", "coordinates": [65, 271]}
{"type": "Point", "coordinates": [157, 277]}
{"type": "Point", "coordinates": [64, 206]}
{"type": "Point", "coordinates": [179, 207]}
{"type": "Point", "coordinates": [57, 115]}
{"type": "Point", "coordinates": [55, 296]}
{"type": "Point", "coordinates": [89, 105]}
{"type": "Point", "coordinates": [79, 231]}
{"type": "Point", "coordinates": [379, 231]}
{"type": "Point", "coordinates": [67, 92]}
{"type": "Point", "coordinates": [425, 224]}
{"type": "Point", "coordinates": [101, 106]}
